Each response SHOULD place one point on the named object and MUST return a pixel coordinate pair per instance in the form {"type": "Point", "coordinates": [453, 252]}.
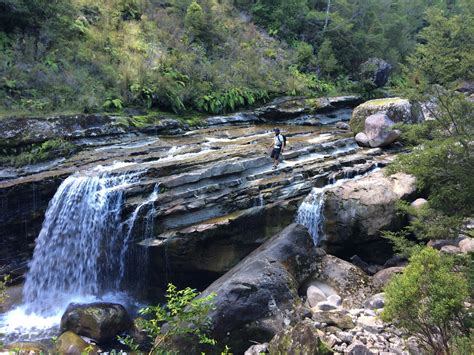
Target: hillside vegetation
{"type": "Point", "coordinates": [206, 55]}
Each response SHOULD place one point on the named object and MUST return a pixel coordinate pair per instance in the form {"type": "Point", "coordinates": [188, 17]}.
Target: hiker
{"type": "Point", "coordinates": [278, 145]}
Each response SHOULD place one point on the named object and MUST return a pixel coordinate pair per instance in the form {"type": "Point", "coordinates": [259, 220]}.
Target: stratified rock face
{"type": "Point", "coordinates": [396, 109]}
{"type": "Point", "coordinates": [257, 297]}
{"type": "Point", "coordinates": [99, 321]}
{"type": "Point", "coordinates": [378, 128]}
{"type": "Point", "coordinates": [376, 71]}
{"type": "Point", "coordinates": [290, 107]}
{"type": "Point", "coordinates": [303, 338]}
{"type": "Point", "coordinates": [358, 210]}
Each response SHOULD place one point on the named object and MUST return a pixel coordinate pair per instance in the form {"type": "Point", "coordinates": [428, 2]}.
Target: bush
{"type": "Point", "coordinates": [428, 300]}
{"type": "Point", "coordinates": [183, 314]}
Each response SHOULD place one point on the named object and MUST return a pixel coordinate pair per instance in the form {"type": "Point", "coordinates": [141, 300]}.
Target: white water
{"type": "Point", "coordinates": [79, 254]}
{"type": "Point", "coordinates": [310, 211]}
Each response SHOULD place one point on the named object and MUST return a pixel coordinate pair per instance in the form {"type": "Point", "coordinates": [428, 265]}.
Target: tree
{"type": "Point", "coordinates": [446, 51]}
{"type": "Point", "coordinates": [428, 300]}
{"type": "Point", "coordinates": [194, 20]}
{"type": "Point", "coordinates": [326, 59]}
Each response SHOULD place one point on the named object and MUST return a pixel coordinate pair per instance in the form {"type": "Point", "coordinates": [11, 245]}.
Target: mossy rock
{"type": "Point", "coordinates": [26, 347]}
{"type": "Point", "coordinates": [71, 343]}
{"type": "Point", "coordinates": [99, 321]}
{"type": "Point", "coordinates": [302, 338]}
{"type": "Point", "coordinates": [396, 108]}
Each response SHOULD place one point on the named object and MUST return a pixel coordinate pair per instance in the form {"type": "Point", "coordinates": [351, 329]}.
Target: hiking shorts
{"type": "Point", "coordinates": [275, 153]}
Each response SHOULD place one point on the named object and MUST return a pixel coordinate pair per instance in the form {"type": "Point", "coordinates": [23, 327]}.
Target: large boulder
{"type": "Point", "coordinates": [99, 321]}
{"type": "Point", "coordinates": [71, 343]}
{"type": "Point", "coordinates": [375, 72]}
{"type": "Point", "coordinates": [378, 132]}
{"type": "Point", "coordinates": [303, 338]}
{"type": "Point", "coordinates": [350, 282]}
{"type": "Point", "coordinates": [259, 296]}
{"type": "Point", "coordinates": [356, 212]}
{"type": "Point", "coordinates": [396, 109]}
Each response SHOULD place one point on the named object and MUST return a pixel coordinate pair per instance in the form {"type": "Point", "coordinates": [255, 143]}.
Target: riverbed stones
{"type": "Point", "coordinates": [99, 321]}
{"type": "Point", "coordinates": [314, 295]}
{"type": "Point", "coordinates": [338, 318]}
{"type": "Point", "coordinates": [376, 301]}
{"type": "Point", "coordinates": [71, 343]}
{"type": "Point", "coordinates": [370, 323]}
{"type": "Point", "coordinates": [302, 338]}
{"type": "Point", "coordinates": [27, 347]}
{"type": "Point", "coordinates": [356, 212]}
{"type": "Point", "coordinates": [383, 277]}
{"type": "Point", "coordinates": [396, 109]}
{"type": "Point", "coordinates": [467, 245]}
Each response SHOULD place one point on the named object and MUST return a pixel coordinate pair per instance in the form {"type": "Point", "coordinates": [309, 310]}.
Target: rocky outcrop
{"type": "Point", "coordinates": [356, 212]}
{"type": "Point", "coordinates": [396, 109]}
{"type": "Point", "coordinates": [378, 132]}
{"type": "Point", "coordinates": [99, 321]}
{"type": "Point", "coordinates": [375, 72]}
{"type": "Point", "coordinates": [259, 296]}
{"type": "Point", "coordinates": [302, 338]}
{"type": "Point", "coordinates": [289, 107]}
{"type": "Point", "coordinates": [70, 343]}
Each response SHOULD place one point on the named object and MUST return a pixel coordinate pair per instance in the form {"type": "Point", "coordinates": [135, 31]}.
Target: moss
{"type": "Point", "coordinates": [382, 102]}
{"type": "Point", "coordinates": [36, 153]}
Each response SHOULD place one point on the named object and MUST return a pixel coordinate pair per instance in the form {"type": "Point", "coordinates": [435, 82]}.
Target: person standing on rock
{"type": "Point", "coordinates": [277, 146]}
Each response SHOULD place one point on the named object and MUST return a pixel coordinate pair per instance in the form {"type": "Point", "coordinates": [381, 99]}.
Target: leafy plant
{"type": "Point", "coordinates": [229, 100]}
{"type": "Point", "coordinates": [184, 313]}
{"type": "Point", "coordinates": [428, 300]}
{"type": "Point", "coordinates": [113, 104]}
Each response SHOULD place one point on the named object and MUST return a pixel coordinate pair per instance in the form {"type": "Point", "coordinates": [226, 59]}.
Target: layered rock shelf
{"type": "Point", "coordinates": [219, 197]}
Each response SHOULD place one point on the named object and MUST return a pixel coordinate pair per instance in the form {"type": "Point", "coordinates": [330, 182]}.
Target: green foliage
{"type": "Point", "coordinates": [194, 20]}
{"type": "Point", "coordinates": [229, 100]}
{"type": "Point", "coordinates": [428, 300]}
{"type": "Point", "coordinates": [118, 53]}
{"type": "Point", "coordinates": [37, 153]}
{"type": "Point", "coordinates": [446, 51]}
{"type": "Point", "coordinates": [326, 59]}
{"type": "Point", "coordinates": [183, 314]}
{"type": "Point", "coordinates": [113, 104]}
{"type": "Point", "coordinates": [3, 288]}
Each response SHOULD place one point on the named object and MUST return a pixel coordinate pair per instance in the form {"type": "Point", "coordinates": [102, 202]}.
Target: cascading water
{"type": "Point", "coordinates": [145, 230]}
{"type": "Point", "coordinates": [309, 213]}
{"type": "Point", "coordinates": [80, 253]}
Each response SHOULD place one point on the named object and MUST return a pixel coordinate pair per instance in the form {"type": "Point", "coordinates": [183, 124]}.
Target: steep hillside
{"type": "Point", "coordinates": [89, 55]}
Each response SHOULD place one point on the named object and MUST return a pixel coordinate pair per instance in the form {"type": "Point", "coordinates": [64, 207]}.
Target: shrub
{"type": "Point", "coordinates": [183, 314]}
{"type": "Point", "coordinates": [428, 300]}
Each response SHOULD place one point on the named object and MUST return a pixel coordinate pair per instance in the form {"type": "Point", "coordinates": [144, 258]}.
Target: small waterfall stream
{"type": "Point", "coordinates": [82, 251]}
{"type": "Point", "coordinates": [309, 213]}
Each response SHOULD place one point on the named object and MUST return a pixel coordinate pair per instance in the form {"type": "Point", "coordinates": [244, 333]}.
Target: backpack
{"type": "Point", "coordinates": [284, 140]}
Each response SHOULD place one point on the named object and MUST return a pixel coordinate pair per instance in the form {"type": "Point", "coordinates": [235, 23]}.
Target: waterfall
{"type": "Point", "coordinates": [78, 250]}
{"type": "Point", "coordinates": [132, 251]}
{"type": "Point", "coordinates": [310, 213]}
{"type": "Point", "coordinates": [84, 252]}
